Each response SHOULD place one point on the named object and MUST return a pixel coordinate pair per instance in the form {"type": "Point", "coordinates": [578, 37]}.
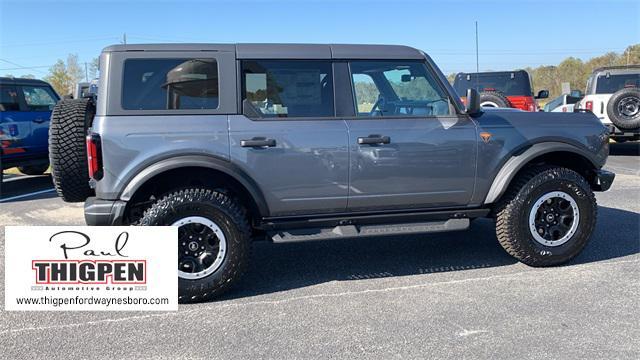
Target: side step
{"type": "Point", "coordinates": [353, 231]}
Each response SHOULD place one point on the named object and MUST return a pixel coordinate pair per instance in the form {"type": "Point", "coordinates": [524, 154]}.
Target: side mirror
{"type": "Point", "coordinates": [473, 102]}
{"type": "Point", "coordinates": [543, 94]}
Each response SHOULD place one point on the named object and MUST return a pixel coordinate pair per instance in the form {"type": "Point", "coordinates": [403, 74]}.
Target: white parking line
{"type": "Point", "coordinates": [27, 195]}
{"type": "Point", "coordinates": [22, 177]}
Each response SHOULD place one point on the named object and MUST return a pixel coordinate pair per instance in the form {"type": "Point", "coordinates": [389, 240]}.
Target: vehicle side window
{"type": "Point", "coordinates": [8, 98]}
{"type": "Point", "coordinates": [170, 84]}
{"type": "Point", "coordinates": [400, 88]}
{"type": "Point", "coordinates": [366, 93]}
{"type": "Point", "coordinates": [288, 88]}
{"type": "Point", "coordinates": [39, 98]}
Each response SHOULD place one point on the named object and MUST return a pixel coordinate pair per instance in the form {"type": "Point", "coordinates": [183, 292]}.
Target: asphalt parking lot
{"type": "Point", "coordinates": [456, 295]}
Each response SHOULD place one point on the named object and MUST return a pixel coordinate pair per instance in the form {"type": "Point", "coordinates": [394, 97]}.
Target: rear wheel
{"type": "Point", "coordinates": [34, 169]}
{"type": "Point", "coordinates": [546, 217]}
{"type": "Point", "coordinates": [67, 148]}
{"type": "Point", "coordinates": [213, 240]}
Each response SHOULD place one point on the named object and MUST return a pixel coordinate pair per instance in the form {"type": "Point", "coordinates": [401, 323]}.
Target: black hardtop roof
{"type": "Point", "coordinates": [286, 51]}
{"type": "Point", "coordinates": [492, 72]}
{"type": "Point", "coordinates": [21, 81]}
{"type": "Point", "coordinates": [621, 69]}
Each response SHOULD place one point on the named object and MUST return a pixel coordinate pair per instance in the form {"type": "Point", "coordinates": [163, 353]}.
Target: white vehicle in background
{"type": "Point", "coordinates": [563, 103]}
{"type": "Point", "coordinates": [613, 95]}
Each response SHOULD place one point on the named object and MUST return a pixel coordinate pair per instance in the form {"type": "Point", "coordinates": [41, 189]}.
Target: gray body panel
{"type": "Point", "coordinates": [307, 170]}
{"type": "Point", "coordinates": [430, 162]}
{"type": "Point", "coordinates": [514, 132]}
{"type": "Point", "coordinates": [130, 144]}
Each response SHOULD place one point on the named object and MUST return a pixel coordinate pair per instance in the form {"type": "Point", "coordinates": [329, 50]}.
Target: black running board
{"type": "Point", "coordinates": [356, 231]}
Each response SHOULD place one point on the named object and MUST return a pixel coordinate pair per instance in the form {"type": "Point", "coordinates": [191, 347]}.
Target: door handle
{"type": "Point", "coordinates": [39, 120]}
{"type": "Point", "coordinates": [258, 142]}
{"type": "Point", "coordinates": [374, 140]}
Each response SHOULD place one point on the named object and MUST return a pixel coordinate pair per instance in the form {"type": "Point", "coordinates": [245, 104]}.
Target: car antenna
{"type": "Point", "coordinates": [477, 59]}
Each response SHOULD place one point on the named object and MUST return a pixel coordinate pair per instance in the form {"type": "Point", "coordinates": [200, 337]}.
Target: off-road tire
{"type": "Point", "coordinates": [34, 169]}
{"type": "Point", "coordinates": [67, 148]}
{"type": "Point", "coordinates": [229, 215]}
{"type": "Point", "coordinates": [512, 215]}
{"type": "Point", "coordinates": [495, 98]}
{"type": "Point", "coordinates": [621, 121]}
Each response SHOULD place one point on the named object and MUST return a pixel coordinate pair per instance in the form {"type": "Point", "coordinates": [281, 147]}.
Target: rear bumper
{"type": "Point", "coordinates": [617, 132]}
{"type": "Point", "coordinates": [100, 212]}
{"type": "Point", "coordinates": [603, 179]}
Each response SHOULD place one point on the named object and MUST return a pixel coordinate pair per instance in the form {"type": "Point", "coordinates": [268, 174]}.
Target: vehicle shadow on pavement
{"type": "Point", "coordinates": [625, 149]}
{"type": "Point", "coordinates": [617, 234]}
{"type": "Point", "coordinates": [280, 267]}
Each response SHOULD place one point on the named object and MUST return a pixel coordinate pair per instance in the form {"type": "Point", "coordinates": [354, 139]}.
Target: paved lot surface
{"type": "Point", "coordinates": [453, 295]}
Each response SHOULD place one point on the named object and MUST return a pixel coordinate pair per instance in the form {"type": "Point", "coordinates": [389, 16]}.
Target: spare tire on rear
{"type": "Point", "coordinates": [494, 99]}
{"type": "Point", "coordinates": [624, 108]}
{"type": "Point", "coordinates": [70, 120]}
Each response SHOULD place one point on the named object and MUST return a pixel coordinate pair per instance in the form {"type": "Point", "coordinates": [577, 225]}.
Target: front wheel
{"type": "Point", "coordinates": [213, 240]}
{"type": "Point", "coordinates": [547, 216]}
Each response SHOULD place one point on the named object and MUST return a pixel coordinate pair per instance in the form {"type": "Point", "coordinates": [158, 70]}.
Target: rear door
{"type": "Point", "coordinates": [288, 139]}
{"type": "Point", "coordinates": [409, 147]}
{"type": "Point", "coordinates": [39, 102]}
{"type": "Point", "coordinates": [15, 125]}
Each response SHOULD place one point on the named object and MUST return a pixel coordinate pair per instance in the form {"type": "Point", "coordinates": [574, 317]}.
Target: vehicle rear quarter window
{"type": "Point", "coordinates": [612, 83]}
{"type": "Point", "coordinates": [288, 88]}
{"type": "Point", "coordinates": [515, 83]}
{"type": "Point", "coordinates": [9, 98]}
{"type": "Point", "coordinates": [39, 98]}
{"type": "Point", "coordinates": [397, 88]}
{"type": "Point", "coordinates": [170, 84]}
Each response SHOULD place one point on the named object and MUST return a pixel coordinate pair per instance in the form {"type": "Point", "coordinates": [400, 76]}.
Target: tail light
{"type": "Point", "coordinates": [94, 156]}
{"type": "Point", "coordinates": [526, 103]}
{"type": "Point", "coordinates": [589, 105]}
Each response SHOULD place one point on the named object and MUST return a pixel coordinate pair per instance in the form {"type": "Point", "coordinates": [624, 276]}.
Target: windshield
{"type": "Point", "coordinates": [509, 83]}
{"type": "Point", "coordinates": [613, 83]}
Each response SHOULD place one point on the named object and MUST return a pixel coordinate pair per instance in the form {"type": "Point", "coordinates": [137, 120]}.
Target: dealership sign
{"type": "Point", "coordinates": [91, 268]}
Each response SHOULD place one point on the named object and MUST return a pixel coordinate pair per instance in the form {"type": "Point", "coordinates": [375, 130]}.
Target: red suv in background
{"type": "Point", "coordinates": [506, 89]}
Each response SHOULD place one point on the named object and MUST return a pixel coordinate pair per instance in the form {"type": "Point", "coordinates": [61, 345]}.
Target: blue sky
{"type": "Point", "coordinates": [513, 34]}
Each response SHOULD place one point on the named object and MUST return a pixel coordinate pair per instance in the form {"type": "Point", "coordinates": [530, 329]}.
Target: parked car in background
{"type": "Point", "coordinates": [613, 94]}
{"type": "Point", "coordinates": [563, 103]}
{"type": "Point", "coordinates": [25, 109]}
{"type": "Point", "coordinates": [505, 89]}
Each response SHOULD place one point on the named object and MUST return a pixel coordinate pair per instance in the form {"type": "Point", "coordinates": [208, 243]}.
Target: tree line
{"type": "Point", "coordinates": [65, 74]}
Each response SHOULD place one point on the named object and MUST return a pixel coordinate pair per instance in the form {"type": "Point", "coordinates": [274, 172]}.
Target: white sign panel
{"type": "Point", "coordinates": [91, 268]}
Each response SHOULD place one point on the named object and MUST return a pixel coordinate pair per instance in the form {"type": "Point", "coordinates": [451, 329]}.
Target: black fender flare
{"type": "Point", "coordinates": [203, 161]}
{"type": "Point", "coordinates": [511, 167]}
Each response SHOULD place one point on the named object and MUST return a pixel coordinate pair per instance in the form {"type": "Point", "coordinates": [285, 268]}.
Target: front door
{"type": "Point", "coordinates": [39, 101]}
{"type": "Point", "coordinates": [409, 147]}
{"type": "Point", "coordinates": [288, 139]}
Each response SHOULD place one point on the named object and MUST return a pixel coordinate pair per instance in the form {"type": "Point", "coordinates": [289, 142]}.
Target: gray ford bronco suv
{"type": "Point", "coordinates": [292, 142]}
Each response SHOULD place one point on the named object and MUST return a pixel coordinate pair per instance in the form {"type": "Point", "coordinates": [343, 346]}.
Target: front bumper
{"type": "Point", "coordinates": [603, 180]}
{"type": "Point", "coordinates": [103, 212]}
